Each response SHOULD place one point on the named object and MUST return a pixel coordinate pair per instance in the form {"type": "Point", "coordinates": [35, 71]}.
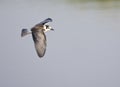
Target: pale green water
{"type": "Point", "coordinates": [84, 50]}
{"type": "Point", "coordinates": [96, 4]}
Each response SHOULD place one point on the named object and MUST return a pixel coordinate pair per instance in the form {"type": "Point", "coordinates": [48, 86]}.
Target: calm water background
{"type": "Point", "coordinates": [84, 50]}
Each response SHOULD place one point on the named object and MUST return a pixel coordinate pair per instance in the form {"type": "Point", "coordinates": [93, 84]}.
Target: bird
{"type": "Point", "coordinates": [38, 35]}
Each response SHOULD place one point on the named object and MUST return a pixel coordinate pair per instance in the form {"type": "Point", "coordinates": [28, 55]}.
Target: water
{"type": "Point", "coordinates": [83, 51]}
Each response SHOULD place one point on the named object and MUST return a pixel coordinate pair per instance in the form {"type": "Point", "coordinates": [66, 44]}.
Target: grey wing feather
{"type": "Point", "coordinates": [45, 21]}
{"type": "Point", "coordinates": [39, 39]}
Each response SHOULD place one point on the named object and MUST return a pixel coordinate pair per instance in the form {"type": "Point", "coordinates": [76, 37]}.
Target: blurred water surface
{"type": "Point", "coordinates": [83, 51]}
{"type": "Point", "coordinates": [96, 4]}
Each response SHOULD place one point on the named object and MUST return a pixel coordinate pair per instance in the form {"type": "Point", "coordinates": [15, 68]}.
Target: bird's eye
{"type": "Point", "coordinates": [47, 26]}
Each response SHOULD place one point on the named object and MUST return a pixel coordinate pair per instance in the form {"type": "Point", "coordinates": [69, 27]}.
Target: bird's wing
{"type": "Point", "coordinates": [45, 21]}
{"type": "Point", "coordinates": [39, 39]}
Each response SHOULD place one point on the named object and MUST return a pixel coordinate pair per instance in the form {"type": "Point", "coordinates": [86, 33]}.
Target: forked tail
{"type": "Point", "coordinates": [25, 32]}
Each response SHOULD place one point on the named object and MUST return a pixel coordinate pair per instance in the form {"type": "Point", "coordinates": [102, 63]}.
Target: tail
{"type": "Point", "coordinates": [24, 32]}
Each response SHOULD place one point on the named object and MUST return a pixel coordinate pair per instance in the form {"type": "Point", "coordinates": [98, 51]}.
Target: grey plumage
{"type": "Point", "coordinates": [39, 37]}
{"type": "Point", "coordinates": [45, 21]}
{"type": "Point", "coordinates": [25, 32]}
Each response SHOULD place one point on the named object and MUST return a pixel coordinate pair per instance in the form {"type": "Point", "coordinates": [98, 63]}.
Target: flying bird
{"type": "Point", "coordinates": [39, 37]}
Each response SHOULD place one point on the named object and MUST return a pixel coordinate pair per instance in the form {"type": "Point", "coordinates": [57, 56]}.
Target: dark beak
{"type": "Point", "coordinates": [52, 29]}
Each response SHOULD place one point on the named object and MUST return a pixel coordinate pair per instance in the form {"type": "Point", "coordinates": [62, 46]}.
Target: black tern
{"type": "Point", "coordinates": [39, 37]}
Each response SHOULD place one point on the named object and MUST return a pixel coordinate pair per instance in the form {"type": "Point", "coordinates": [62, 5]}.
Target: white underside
{"type": "Point", "coordinates": [45, 30]}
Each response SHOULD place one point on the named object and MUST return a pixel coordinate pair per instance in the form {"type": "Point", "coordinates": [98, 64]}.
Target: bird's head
{"type": "Point", "coordinates": [47, 28]}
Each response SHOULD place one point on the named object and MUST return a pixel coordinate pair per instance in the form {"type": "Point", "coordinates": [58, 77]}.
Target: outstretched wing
{"type": "Point", "coordinates": [39, 39]}
{"type": "Point", "coordinates": [45, 21]}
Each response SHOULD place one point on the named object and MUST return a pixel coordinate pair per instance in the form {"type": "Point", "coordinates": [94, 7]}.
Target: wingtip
{"type": "Point", "coordinates": [50, 19]}
{"type": "Point", "coordinates": [41, 56]}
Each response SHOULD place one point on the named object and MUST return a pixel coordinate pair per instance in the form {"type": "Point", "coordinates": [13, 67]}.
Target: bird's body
{"type": "Point", "coordinates": [39, 37]}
